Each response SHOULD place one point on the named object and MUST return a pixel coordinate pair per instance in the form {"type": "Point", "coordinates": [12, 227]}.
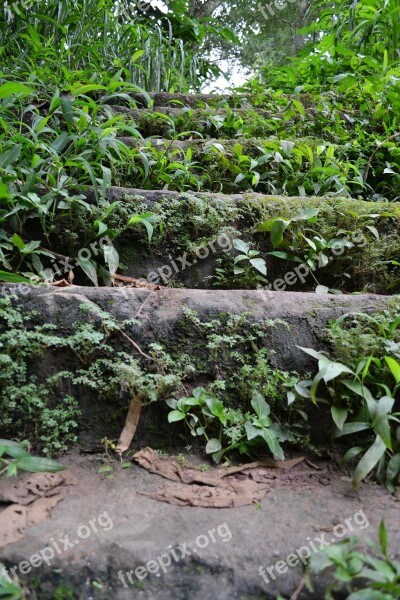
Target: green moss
{"type": "Point", "coordinates": [192, 221]}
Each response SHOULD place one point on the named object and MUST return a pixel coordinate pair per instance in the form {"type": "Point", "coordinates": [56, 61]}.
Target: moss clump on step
{"type": "Point", "coordinates": [192, 221]}
{"type": "Point", "coordinates": [34, 403]}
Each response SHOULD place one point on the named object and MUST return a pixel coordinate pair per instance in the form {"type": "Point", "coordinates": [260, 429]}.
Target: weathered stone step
{"type": "Point", "coordinates": [138, 114]}
{"type": "Point", "coordinates": [249, 122]}
{"type": "Point", "coordinates": [192, 100]}
{"type": "Point", "coordinates": [234, 99]}
{"type": "Point", "coordinates": [160, 312]}
{"type": "Point", "coordinates": [194, 222]}
{"type": "Point", "coordinates": [201, 146]}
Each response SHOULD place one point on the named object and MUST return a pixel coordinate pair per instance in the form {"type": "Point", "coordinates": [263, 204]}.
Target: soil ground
{"type": "Point", "coordinates": [302, 504]}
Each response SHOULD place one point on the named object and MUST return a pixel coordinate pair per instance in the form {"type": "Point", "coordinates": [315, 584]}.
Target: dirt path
{"type": "Point", "coordinates": [225, 547]}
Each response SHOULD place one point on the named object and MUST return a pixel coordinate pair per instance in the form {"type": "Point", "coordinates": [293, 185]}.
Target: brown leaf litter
{"type": "Point", "coordinates": [219, 487]}
{"type": "Point", "coordinates": [32, 499]}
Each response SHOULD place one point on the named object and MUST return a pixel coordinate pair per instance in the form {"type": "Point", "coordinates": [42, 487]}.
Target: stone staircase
{"type": "Point", "coordinates": [194, 221]}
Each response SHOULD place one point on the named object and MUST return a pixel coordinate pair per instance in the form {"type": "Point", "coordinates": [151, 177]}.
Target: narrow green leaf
{"type": "Point", "coordinates": [339, 416]}
{"type": "Point", "coordinates": [369, 461]}
{"type": "Point", "coordinates": [394, 367]}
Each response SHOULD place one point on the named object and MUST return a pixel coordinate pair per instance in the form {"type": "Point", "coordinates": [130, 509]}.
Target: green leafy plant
{"type": "Point", "coordinates": [9, 591]}
{"type": "Point", "coordinates": [363, 397]}
{"type": "Point", "coordinates": [365, 575]}
{"type": "Point", "coordinates": [246, 261]}
{"type": "Point", "coordinates": [14, 457]}
{"type": "Point", "coordinates": [237, 430]}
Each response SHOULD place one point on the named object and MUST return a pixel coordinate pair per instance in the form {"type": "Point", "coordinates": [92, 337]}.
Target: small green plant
{"type": "Point", "coordinates": [371, 575]}
{"type": "Point", "coordinates": [8, 590]}
{"type": "Point", "coordinates": [363, 392]}
{"type": "Point", "coordinates": [248, 406]}
{"type": "Point", "coordinates": [203, 412]}
{"type": "Point", "coordinates": [14, 457]}
{"type": "Point", "coordinates": [248, 259]}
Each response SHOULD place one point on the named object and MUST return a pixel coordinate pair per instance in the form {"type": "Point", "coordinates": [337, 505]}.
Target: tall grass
{"type": "Point", "coordinates": [371, 26]}
{"type": "Point", "coordinates": [94, 39]}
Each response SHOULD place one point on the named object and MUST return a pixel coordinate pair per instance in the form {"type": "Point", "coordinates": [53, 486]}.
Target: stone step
{"type": "Point", "coordinates": [192, 100]}
{"type": "Point", "coordinates": [245, 121]}
{"type": "Point", "coordinates": [194, 222]}
{"type": "Point", "coordinates": [201, 146]}
{"type": "Point", "coordinates": [233, 99]}
{"type": "Point", "coordinates": [162, 318]}
{"type": "Point", "coordinates": [167, 121]}
{"type": "Point", "coordinates": [174, 111]}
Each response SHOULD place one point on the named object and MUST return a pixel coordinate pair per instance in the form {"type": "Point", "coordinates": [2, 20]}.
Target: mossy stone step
{"type": "Point", "coordinates": [194, 222]}
{"type": "Point", "coordinates": [165, 121]}
{"type": "Point", "coordinates": [201, 146]}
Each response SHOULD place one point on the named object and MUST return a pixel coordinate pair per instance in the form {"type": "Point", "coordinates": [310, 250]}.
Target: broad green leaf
{"type": "Point", "coordinates": [352, 453]}
{"type": "Point", "coordinates": [383, 536]}
{"type": "Point", "coordinates": [251, 431]}
{"type": "Point", "coordinates": [213, 445]}
{"type": "Point", "coordinates": [239, 178]}
{"type": "Point", "coordinates": [13, 277]}
{"type": "Point", "coordinates": [354, 427]}
{"type": "Point", "coordinates": [369, 461]}
{"type": "Point", "coordinates": [68, 112]}
{"type": "Point", "coordinates": [272, 441]}
{"type": "Point", "coordinates": [259, 405]}
{"type": "Point", "coordinates": [285, 256]}
{"type": "Point", "coordinates": [13, 449]}
{"type": "Point", "coordinates": [287, 146]}
{"type": "Point", "coordinates": [385, 405]}
{"type": "Point", "coordinates": [89, 268]}
{"type": "Point", "coordinates": [9, 157]}
{"type": "Point", "coordinates": [136, 55]}
{"type": "Point", "coordinates": [259, 264]}
{"type": "Point", "coordinates": [78, 89]}
{"type": "Point", "coordinates": [111, 257]}
{"type": "Point", "coordinates": [313, 353]}
{"type": "Point", "coordinates": [277, 230]}
{"type": "Point", "coordinates": [330, 369]}
{"type": "Point", "coordinates": [31, 246]}
{"type": "Point", "coordinates": [175, 415]}
{"type": "Point", "coordinates": [266, 225]}
{"type": "Point", "coordinates": [10, 88]}
{"type": "Point", "coordinates": [382, 428]}
{"type": "Point", "coordinates": [35, 464]}
{"type": "Point", "coordinates": [393, 467]}
{"type": "Point", "coordinates": [18, 242]}
{"type": "Point", "coordinates": [215, 406]}
{"type": "Point", "coordinates": [364, 392]}
{"type": "Point", "coordinates": [241, 246]}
